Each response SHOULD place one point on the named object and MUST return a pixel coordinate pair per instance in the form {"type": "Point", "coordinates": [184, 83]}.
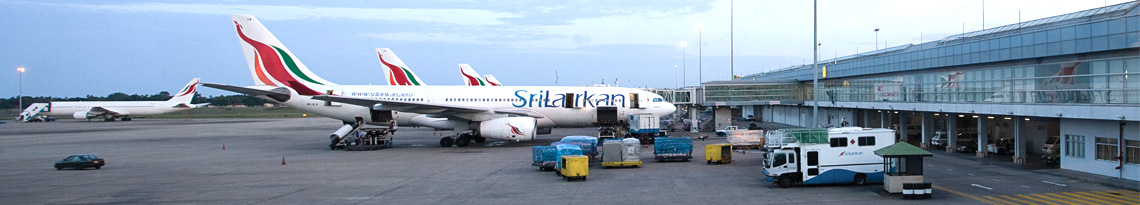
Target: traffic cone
{"type": "Point", "coordinates": [223, 146]}
{"type": "Point", "coordinates": [282, 160]}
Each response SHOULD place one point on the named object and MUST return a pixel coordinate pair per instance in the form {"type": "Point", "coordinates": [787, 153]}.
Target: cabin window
{"type": "Point", "coordinates": [779, 159]}
{"type": "Point", "coordinates": [813, 158]}
{"type": "Point", "coordinates": [867, 141]}
{"type": "Point", "coordinates": [839, 142]}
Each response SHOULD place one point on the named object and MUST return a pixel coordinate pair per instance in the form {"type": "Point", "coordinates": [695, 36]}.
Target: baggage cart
{"type": "Point", "coordinates": [719, 153]}
{"type": "Point", "coordinates": [673, 148]}
{"type": "Point", "coordinates": [544, 157]}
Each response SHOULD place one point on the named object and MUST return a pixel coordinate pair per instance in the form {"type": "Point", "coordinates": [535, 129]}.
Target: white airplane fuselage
{"type": "Point", "coordinates": [132, 108]}
{"type": "Point", "coordinates": [546, 101]}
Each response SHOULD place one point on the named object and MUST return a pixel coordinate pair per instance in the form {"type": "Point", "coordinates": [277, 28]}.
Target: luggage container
{"type": "Point", "coordinates": [617, 153]}
{"type": "Point", "coordinates": [673, 148]}
{"type": "Point", "coordinates": [719, 153]}
{"type": "Point", "coordinates": [589, 144]}
{"type": "Point", "coordinates": [574, 167]}
{"type": "Point", "coordinates": [545, 157]}
{"type": "Point", "coordinates": [566, 150]}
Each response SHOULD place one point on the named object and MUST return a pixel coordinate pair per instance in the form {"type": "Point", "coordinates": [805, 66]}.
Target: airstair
{"type": "Point", "coordinates": [33, 110]}
{"type": "Point", "coordinates": [363, 137]}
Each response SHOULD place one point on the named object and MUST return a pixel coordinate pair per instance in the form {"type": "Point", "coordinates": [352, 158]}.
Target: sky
{"type": "Point", "coordinates": [80, 48]}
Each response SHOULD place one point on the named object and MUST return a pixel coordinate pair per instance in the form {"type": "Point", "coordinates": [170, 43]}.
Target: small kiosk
{"type": "Point", "coordinates": [902, 164]}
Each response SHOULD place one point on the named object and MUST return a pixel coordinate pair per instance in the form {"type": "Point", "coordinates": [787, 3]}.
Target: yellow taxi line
{"type": "Point", "coordinates": [1018, 200]}
{"type": "Point", "coordinates": [1055, 199]}
{"type": "Point", "coordinates": [1036, 199]}
{"type": "Point", "coordinates": [1118, 195]}
{"type": "Point", "coordinates": [1107, 198]}
{"type": "Point", "coordinates": [1090, 198]}
{"type": "Point", "coordinates": [964, 194]}
{"type": "Point", "coordinates": [1069, 198]}
{"type": "Point", "coordinates": [999, 200]}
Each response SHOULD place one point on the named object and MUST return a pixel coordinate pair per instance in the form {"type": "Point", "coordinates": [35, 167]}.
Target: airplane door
{"type": "Point", "coordinates": [634, 100]}
{"type": "Point", "coordinates": [812, 163]}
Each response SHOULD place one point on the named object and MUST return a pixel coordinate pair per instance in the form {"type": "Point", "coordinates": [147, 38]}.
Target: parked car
{"type": "Point", "coordinates": [939, 140]}
{"type": "Point", "coordinates": [1001, 146]}
{"type": "Point", "coordinates": [725, 131]}
{"type": "Point", "coordinates": [81, 161]}
{"type": "Point", "coordinates": [1051, 150]}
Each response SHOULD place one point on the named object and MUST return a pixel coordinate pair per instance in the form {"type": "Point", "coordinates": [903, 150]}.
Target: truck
{"type": "Point", "coordinates": [726, 130]}
{"type": "Point", "coordinates": [825, 156]}
{"type": "Point", "coordinates": [644, 127]}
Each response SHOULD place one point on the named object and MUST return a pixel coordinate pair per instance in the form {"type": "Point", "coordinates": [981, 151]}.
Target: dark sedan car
{"type": "Point", "coordinates": [81, 161]}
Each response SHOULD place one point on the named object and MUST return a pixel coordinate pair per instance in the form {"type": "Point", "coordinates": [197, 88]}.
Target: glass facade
{"type": "Point", "coordinates": [1112, 81]}
{"type": "Point", "coordinates": [758, 92]}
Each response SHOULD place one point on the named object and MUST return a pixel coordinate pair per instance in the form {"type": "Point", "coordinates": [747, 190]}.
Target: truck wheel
{"type": "Point", "coordinates": [58, 168]}
{"type": "Point", "coordinates": [99, 167]}
{"type": "Point", "coordinates": [785, 181]}
{"type": "Point", "coordinates": [860, 179]}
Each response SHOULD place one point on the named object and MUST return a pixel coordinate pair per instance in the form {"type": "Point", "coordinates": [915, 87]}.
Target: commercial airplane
{"type": "Point", "coordinates": [491, 80]}
{"type": "Point", "coordinates": [109, 110]}
{"type": "Point", "coordinates": [514, 113]}
{"type": "Point", "coordinates": [395, 70]}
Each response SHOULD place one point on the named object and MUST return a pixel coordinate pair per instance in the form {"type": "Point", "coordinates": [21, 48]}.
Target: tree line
{"type": "Point", "coordinates": [221, 100]}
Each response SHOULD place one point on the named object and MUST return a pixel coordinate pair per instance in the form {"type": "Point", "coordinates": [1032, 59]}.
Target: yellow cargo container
{"type": "Point", "coordinates": [574, 167]}
{"type": "Point", "coordinates": [719, 153]}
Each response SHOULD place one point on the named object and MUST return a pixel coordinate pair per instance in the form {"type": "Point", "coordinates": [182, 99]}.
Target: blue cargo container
{"type": "Point", "coordinates": [545, 157]}
{"type": "Point", "coordinates": [673, 148]}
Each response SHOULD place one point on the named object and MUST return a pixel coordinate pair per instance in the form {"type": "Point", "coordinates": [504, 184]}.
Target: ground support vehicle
{"type": "Point", "coordinates": [1051, 151]}
{"type": "Point", "coordinates": [746, 139]}
{"type": "Point", "coordinates": [726, 130]}
{"type": "Point", "coordinates": [644, 127]}
{"type": "Point", "coordinates": [565, 150]}
{"type": "Point", "coordinates": [544, 157]}
{"type": "Point", "coordinates": [574, 167]}
{"type": "Point", "coordinates": [719, 153]}
{"type": "Point", "coordinates": [673, 148]}
{"type": "Point", "coordinates": [620, 153]}
{"type": "Point", "coordinates": [825, 156]}
{"type": "Point", "coordinates": [354, 137]}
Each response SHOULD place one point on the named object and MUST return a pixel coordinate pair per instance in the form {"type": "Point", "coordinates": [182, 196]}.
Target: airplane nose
{"type": "Point", "coordinates": [667, 109]}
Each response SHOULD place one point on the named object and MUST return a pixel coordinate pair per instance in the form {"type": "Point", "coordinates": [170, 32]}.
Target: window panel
{"type": "Point", "coordinates": [1106, 148]}
{"type": "Point", "coordinates": [1068, 33]}
{"type": "Point", "coordinates": [1075, 146]}
{"type": "Point", "coordinates": [1116, 26]}
{"type": "Point", "coordinates": [1099, 28]}
{"type": "Point", "coordinates": [1083, 31]}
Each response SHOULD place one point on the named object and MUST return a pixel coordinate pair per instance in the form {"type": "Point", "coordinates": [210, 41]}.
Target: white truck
{"type": "Point", "coordinates": [825, 156]}
{"type": "Point", "coordinates": [726, 130]}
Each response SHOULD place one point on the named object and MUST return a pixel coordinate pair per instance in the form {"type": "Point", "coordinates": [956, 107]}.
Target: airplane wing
{"type": "Point", "coordinates": [280, 94]}
{"type": "Point", "coordinates": [107, 111]}
{"type": "Point", "coordinates": [425, 107]}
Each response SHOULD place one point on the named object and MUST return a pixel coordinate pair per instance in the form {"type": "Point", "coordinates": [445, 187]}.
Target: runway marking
{"type": "Point", "coordinates": [998, 200]}
{"type": "Point", "coordinates": [1120, 195]}
{"type": "Point", "coordinates": [1069, 198]}
{"type": "Point", "coordinates": [970, 174]}
{"type": "Point", "coordinates": [996, 180]}
{"type": "Point", "coordinates": [980, 186]}
{"type": "Point", "coordinates": [1108, 197]}
{"type": "Point", "coordinates": [964, 194]}
{"type": "Point", "coordinates": [1129, 192]}
{"type": "Point", "coordinates": [1018, 200]}
{"type": "Point", "coordinates": [1023, 186]}
{"type": "Point", "coordinates": [1089, 198]}
{"type": "Point", "coordinates": [1054, 183]}
{"type": "Point", "coordinates": [1054, 199]}
{"type": "Point", "coordinates": [1036, 199]}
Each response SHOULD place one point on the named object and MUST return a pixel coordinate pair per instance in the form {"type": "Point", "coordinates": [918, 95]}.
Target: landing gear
{"type": "Point", "coordinates": [463, 140]}
{"type": "Point", "coordinates": [126, 119]}
{"type": "Point", "coordinates": [480, 139]}
{"type": "Point", "coordinates": [446, 142]}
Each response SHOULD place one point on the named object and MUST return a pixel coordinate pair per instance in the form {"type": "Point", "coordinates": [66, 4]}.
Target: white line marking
{"type": "Point", "coordinates": [1025, 186]}
{"type": "Point", "coordinates": [970, 174]}
{"type": "Point", "coordinates": [1054, 183]}
{"type": "Point", "coordinates": [996, 180]}
{"type": "Point", "coordinates": [980, 186]}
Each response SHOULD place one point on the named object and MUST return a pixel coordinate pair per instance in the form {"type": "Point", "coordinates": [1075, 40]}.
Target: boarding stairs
{"type": "Point", "coordinates": [32, 110]}
{"type": "Point", "coordinates": [781, 138]}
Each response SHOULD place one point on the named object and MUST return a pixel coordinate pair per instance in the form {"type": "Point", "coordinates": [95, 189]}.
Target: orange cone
{"type": "Point", "coordinates": [223, 146]}
{"type": "Point", "coordinates": [282, 160]}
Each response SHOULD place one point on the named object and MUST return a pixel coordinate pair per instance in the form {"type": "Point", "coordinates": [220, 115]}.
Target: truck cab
{"type": "Point", "coordinates": [726, 130]}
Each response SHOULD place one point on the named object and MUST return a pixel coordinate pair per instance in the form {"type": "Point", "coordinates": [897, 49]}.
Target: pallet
{"type": "Point", "coordinates": [621, 164]}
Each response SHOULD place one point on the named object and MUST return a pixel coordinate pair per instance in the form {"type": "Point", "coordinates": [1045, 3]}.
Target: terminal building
{"type": "Point", "coordinates": [1074, 78]}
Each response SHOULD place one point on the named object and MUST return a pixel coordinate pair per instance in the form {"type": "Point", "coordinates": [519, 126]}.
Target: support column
{"type": "Point", "coordinates": [1018, 143]}
{"type": "Point", "coordinates": [866, 123]}
{"type": "Point", "coordinates": [983, 136]}
{"type": "Point", "coordinates": [693, 119]}
{"type": "Point", "coordinates": [951, 132]}
{"type": "Point", "coordinates": [883, 119]}
{"type": "Point", "coordinates": [722, 117]}
{"type": "Point", "coordinates": [903, 121]}
{"type": "Point", "coordinates": [927, 129]}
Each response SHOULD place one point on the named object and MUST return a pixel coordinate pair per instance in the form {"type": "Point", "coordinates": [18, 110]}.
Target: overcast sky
{"type": "Point", "coordinates": [79, 48]}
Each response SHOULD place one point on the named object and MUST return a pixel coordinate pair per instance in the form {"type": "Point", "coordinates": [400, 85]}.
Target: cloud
{"type": "Point", "coordinates": [472, 17]}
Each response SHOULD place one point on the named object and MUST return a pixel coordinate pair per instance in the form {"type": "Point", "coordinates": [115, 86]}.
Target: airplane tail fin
{"type": "Point", "coordinates": [491, 80]}
{"type": "Point", "coordinates": [395, 70]}
{"type": "Point", "coordinates": [187, 92]}
{"type": "Point", "coordinates": [470, 77]}
{"type": "Point", "coordinates": [270, 63]}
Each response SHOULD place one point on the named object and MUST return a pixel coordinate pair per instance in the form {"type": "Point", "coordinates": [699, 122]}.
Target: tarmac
{"type": "Point", "coordinates": [287, 161]}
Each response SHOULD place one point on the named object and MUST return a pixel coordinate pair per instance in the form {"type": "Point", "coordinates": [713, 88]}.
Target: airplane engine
{"type": "Point", "coordinates": [82, 115]}
{"type": "Point", "coordinates": [509, 128]}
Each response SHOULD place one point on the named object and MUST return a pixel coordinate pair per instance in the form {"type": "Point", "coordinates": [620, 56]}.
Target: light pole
{"type": "Point", "coordinates": [684, 65]}
{"type": "Point", "coordinates": [700, 53]}
{"type": "Point", "coordinates": [815, 61]}
{"type": "Point", "coordinates": [20, 106]}
{"type": "Point", "coordinates": [876, 38]}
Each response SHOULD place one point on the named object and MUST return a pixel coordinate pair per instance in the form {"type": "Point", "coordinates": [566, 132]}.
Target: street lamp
{"type": "Point", "coordinates": [20, 106]}
{"type": "Point", "coordinates": [675, 84]}
{"type": "Point", "coordinates": [700, 53]}
{"type": "Point", "coordinates": [876, 38]}
{"type": "Point", "coordinates": [684, 65]}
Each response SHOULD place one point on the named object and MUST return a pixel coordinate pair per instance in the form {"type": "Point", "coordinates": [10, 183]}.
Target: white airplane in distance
{"type": "Point", "coordinates": [491, 80]}
{"type": "Point", "coordinates": [514, 113]}
{"type": "Point", "coordinates": [395, 70]}
{"type": "Point", "coordinates": [471, 78]}
{"type": "Point", "coordinates": [109, 110]}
